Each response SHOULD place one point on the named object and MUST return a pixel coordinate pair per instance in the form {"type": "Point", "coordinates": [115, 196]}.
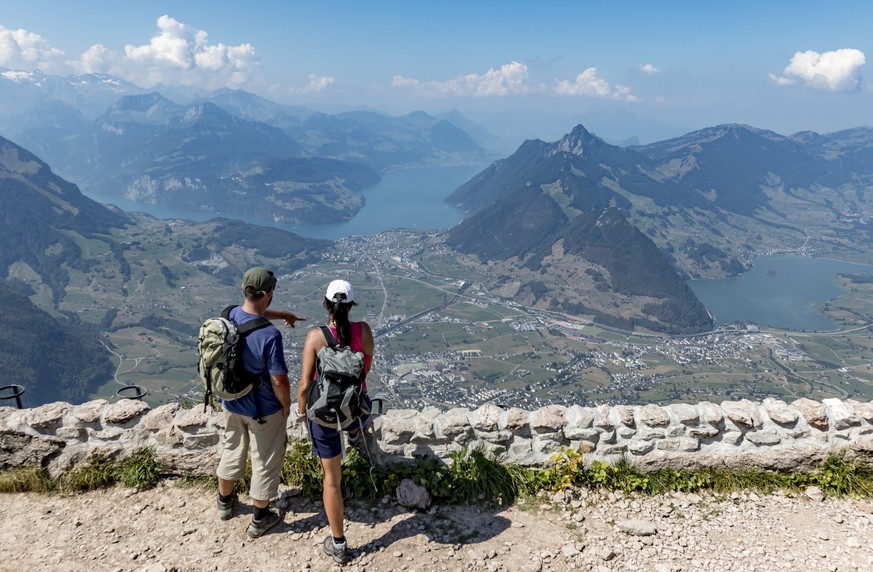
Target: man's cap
{"type": "Point", "coordinates": [260, 279]}
{"type": "Point", "coordinates": [340, 291]}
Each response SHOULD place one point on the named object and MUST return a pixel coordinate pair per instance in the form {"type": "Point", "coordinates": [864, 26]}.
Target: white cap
{"type": "Point", "coordinates": [340, 291]}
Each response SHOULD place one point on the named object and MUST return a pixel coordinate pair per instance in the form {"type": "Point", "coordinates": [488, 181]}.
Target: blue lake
{"type": "Point", "coordinates": [779, 291]}
{"type": "Point", "coordinates": [407, 198]}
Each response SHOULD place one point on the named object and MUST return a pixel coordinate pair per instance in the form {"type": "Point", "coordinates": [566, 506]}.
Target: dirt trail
{"type": "Point", "coordinates": [176, 528]}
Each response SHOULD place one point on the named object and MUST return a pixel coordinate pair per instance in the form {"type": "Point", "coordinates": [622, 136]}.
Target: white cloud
{"type": "Point", "coordinates": [587, 84]}
{"type": "Point", "coordinates": [96, 59]}
{"type": "Point", "coordinates": [20, 49]}
{"type": "Point", "coordinates": [837, 70]}
{"type": "Point", "coordinates": [177, 55]}
{"type": "Point", "coordinates": [649, 69]}
{"type": "Point", "coordinates": [508, 79]}
{"type": "Point", "coordinates": [401, 82]}
{"type": "Point", "coordinates": [183, 55]}
{"type": "Point", "coordinates": [317, 84]}
{"type": "Point", "coordinates": [780, 80]}
{"type": "Point", "coordinates": [512, 79]}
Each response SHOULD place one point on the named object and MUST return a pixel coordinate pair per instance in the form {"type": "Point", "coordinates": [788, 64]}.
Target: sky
{"type": "Point", "coordinates": [526, 69]}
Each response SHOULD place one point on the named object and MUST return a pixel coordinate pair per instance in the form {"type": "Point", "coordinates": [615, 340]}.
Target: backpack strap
{"type": "Point", "coordinates": [245, 329]}
{"type": "Point", "coordinates": [328, 337]}
{"type": "Point", "coordinates": [253, 325]}
{"type": "Point", "coordinates": [250, 326]}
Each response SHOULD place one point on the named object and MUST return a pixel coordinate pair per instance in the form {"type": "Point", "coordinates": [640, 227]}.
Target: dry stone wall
{"type": "Point", "coordinates": [771, 434]}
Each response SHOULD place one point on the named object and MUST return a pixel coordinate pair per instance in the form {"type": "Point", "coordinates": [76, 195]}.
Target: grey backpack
{"type": "Point", "coordinates": [336, 395]}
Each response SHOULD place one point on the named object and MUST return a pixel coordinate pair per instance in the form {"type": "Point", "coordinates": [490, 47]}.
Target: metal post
{"type": "Point", "coordinates": [376, 405]}
{"type": "Point", "coordinates": [17, 391]}
{"type": "Point", "coordinates": [132, 392]}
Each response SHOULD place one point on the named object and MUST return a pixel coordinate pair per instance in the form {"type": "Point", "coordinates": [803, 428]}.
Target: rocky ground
{"type": "Point", "coordinates": [176, 528]}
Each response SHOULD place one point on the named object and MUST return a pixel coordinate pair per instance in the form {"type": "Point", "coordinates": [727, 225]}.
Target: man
{"type": "Point", "coordinates": [258, 419]}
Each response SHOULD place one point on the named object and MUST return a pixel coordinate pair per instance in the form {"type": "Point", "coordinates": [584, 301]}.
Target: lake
{"type": "Point", "coordinates": [406, 198]}
{"type": "Point", "coordinates": [779, 291]}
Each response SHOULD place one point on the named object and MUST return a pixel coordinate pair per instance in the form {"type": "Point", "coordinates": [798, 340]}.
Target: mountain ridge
{"type": "Point", "coordinates": [715, 185]}
{"type": "Point", "coordinates": [75, 270]}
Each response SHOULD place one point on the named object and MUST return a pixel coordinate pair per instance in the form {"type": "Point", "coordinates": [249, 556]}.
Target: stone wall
{"type": "Point", "coordinates": [734, 434]}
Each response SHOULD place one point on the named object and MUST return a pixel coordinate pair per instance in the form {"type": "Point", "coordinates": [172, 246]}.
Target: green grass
{"type": "Point", "coordinates": [469, 477]}
{"type": "Point", "coordinates": [26, 479]}
{"type": "Point", "coordinates": [139, 470]}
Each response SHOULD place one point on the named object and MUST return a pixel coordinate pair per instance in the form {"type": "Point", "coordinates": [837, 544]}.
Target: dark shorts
{"type": "Point", "coordinates": [327, 441]}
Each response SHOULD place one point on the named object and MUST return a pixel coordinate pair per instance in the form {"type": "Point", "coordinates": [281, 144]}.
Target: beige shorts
{"type": "Point", "coordinates": [267, 443]}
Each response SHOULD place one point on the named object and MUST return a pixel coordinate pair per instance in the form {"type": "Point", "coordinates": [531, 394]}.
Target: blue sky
{"type": "Point", "coordinates": [529, 69]}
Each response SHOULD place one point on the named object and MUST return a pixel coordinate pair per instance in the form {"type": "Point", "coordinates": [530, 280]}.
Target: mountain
{"type": "Point", "coordinates": [74, 270]}
{"type": "Point", "coordinates": [482, 136]}
{"type": "Point", "coordinates": [546, 213]}
{"type": "Point", "coordinates": [731, 163]}
{"type": "Point", "coordinates": [708, 201]}
{"type": "Point", "coordinates": [26, 97]}
{"type": "Point", "coordinates": [386, 142]}
{"type": "Point", "coordinates": [40, 216]}
{"type": "Point", "coordinates": [201, 158]}
{"type": "Point", "coordinates": [249, 106]}
{"type": "Point", "coordinates": [44, 223]}
{"type": "Point", "coordinates": [54, 359]}
{"type": "Point", "coordinates": [847, 154]}
{"type": "Point", "coordinates": [216, 151]}
{"type": "Point", "coordinates": [150, 136]}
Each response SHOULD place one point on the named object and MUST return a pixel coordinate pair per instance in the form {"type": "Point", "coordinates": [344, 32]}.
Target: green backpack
{"type": "Point", "coordinates": [219, 347]}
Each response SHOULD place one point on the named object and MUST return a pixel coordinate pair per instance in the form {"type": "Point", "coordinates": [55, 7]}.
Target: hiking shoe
{"type": "Point", "coordinates": [339, 553]}
{"type": "Point", "coordinates": [259, 527]}
{"type": "Point", "coordinates": [225, 509]}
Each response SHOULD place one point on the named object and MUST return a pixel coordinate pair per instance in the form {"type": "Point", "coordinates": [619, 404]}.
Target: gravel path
{"type": "Point", "coordinates": [176, 528]}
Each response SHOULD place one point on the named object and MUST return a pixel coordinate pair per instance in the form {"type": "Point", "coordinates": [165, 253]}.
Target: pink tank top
{"type": "Point", "coordinates": [357, 345]}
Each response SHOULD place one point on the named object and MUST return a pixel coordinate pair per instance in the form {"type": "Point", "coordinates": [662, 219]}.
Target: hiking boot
{"type": "Point", "coordinates": [259, 527]}
{"type": "Point", "coordinates": [225, 509]}
{"type": "Point", "coordinates": [339, 553]}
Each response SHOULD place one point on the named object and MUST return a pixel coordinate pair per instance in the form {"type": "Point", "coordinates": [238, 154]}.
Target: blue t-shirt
{"type": "Point", "coordinates": [263, 352]}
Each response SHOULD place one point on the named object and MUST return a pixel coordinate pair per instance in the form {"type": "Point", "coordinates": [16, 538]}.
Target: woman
{"type": "Point", "coordinates": [327, 441]}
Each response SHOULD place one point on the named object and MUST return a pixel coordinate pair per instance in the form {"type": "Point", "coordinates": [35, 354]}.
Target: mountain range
{"type": "Point", "coordinates": [578, 216]}
{"type": "Point", "coordinates": [226, 152]}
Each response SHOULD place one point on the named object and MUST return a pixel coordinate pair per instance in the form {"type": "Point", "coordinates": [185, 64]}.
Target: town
{"type": "Point", "coordinates": [442, 340]}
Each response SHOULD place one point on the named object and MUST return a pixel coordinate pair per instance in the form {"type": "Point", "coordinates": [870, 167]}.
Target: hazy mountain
{"type": "Point", "coordinates": [477, 132]}
{"type": "Point", "coordinates": [149, 135]}
{"type": "Point", "coordinates": [25, 98]}
{"type": "Point", "coordinates": [384, 141]}
{"type": "Point", "coordinates": [847, 155]}
{"type": "Point", "coordinates": [728, 166]}
{"type": "Point", "coordinates": [254, 108]}
{"type": "Point", "coordinates": [199, 157]}
{"type": "Point", "coordinates": [218, 151]}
